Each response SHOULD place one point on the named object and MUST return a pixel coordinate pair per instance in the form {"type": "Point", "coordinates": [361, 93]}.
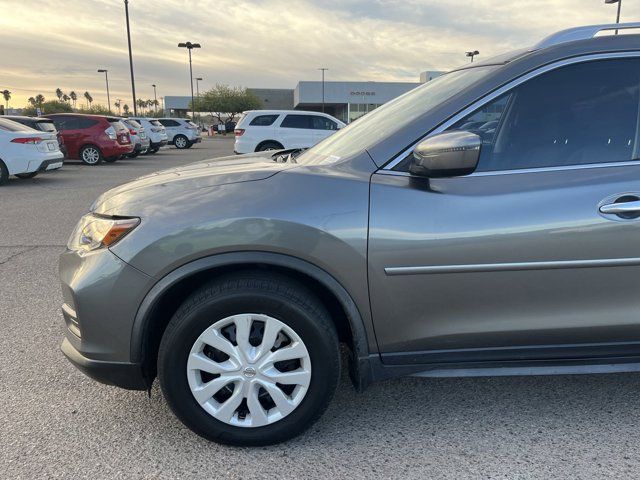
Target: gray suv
{"type": "Point", "coordinates": [486, 223]}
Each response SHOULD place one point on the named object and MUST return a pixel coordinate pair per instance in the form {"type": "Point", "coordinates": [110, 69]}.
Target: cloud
{"type": "Point", "coordinates": [263, 43]}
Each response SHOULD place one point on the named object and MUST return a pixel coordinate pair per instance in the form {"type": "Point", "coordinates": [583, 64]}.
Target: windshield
{"type": "Point", "coordinates": [392, 116]}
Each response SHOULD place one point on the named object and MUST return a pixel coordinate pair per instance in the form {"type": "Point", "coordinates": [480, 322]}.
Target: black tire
{"type": "Point", "coordinates": [263, 147]}
{"type": "Point", "coordinates": [155, 150]}
{"type": "Point", "coordinates": [181, 142]}
{"type": "Point", "coordinates": [26, 176]}
{"type": "Point", "coordinates": [4, 173]}
{"type": "Point", "coordinates": [190, 144]}
{"type": "Point", "coordinates": [272, 295]}
{"type": "Point", "coordinates": [91, 155]}
{"type": "Point", "coordinates": [133, 154]}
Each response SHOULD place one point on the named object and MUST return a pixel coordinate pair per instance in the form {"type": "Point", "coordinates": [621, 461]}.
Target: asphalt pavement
{"type": "Point", "coordinates": [56, 423]}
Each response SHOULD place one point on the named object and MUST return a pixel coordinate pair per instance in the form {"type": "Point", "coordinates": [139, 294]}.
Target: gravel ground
{"type": "Point", "coordinates": [56, 423]}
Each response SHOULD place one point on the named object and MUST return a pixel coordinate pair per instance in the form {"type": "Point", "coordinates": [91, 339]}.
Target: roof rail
{"type": "Point", "coordinates": [582, 33]}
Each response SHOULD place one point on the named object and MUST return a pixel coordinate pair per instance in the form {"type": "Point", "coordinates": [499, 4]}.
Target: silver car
{"type": "Point", "coordinates": [139, 137]}
{"type": "Point", "coordinates": [486, 223]}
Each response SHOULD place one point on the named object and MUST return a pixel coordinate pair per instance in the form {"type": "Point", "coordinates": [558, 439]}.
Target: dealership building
{"type": "Point", "coordinates": [344, 100]}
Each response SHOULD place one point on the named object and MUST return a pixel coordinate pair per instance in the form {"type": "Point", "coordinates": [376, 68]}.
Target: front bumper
{"type": "Point", "coordinates": [101, 296]}
{"type": "Point", "coordinates": [120, 374]}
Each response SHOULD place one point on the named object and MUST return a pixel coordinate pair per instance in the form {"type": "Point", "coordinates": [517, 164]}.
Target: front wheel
{"type": "Point", "coordinates": [249, 360]}
{"type": "Point", "coordinates": [4, 173]}
{"type": "Point", "coordinates": [26, 176]}
{"type": "Point", "coordinates": [91, 155]}
{"type": "Point", "coordinates": [181, 142]}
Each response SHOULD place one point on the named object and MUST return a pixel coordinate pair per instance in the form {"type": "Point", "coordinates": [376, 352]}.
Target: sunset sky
{"type": "Point", "coordinates": [263, 43]}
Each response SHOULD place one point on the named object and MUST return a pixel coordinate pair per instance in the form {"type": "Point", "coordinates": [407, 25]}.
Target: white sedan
{"type": "Point", "coordinates": [25, 152]}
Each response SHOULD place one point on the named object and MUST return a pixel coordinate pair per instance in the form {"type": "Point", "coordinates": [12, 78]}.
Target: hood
{"type": "Point", "coordinates": [168, 184]}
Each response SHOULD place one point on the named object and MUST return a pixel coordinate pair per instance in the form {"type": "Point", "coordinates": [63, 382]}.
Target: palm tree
{"type": "Point", "coordinates": [140, 104]}
{"type": "Point", "coordinates": [89, 98]}
{"type": "Point", "coordinates": [74, 97]}
{"type": "Point", "coordinates": [66, 98]}
{"type": "Point", "coordinates": [117, 105]}
{"type": "Point", "coordinates": [59, 94]}
{"type": "Point", "coordinates": [32, 101]}
{"type": "Point", "coordinates": [7, 96]}
{"type": "Point", "coordinates": [125, 107]}
{"type": "Point", "coordinates": [39, 99]}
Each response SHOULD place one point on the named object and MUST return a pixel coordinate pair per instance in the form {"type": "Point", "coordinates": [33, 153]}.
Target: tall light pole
{"type": "Point", "coordinates": [190, 46]}
{"type": "Point", "coordinates": [619, 2]}
{"type": "Point", "coordinates": [198, 80]}
{"type": "Point", "coordinates": [133, 82]}
{"type": "Point", "coordinates": [155, 98]}
{"type": "Point", "coordinates": [106, 79]}
{"type": "Point", "coordinates": [472, 54]}
{"type": "Point", "coordinates": [322, 69]}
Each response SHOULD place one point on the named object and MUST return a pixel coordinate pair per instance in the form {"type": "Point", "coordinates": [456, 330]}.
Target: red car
{"type": "Point", "coordinates": [92, 138]}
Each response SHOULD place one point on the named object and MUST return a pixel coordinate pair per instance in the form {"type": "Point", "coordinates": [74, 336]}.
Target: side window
{"type": "Point", "coordinates": [65, 123]}
{"type": "Point", "coordinates": [263, 120]}
{"type": "Point", "coordinates": [296, 121]}
{"type": "Point", "coordinates": [169, 123]}
{"type": "Point", "coordinates": [579, 114]}
{"type": "Point", "coordinates": [82, 123]}
{"type": "Point", "coordinates": [323, 123]}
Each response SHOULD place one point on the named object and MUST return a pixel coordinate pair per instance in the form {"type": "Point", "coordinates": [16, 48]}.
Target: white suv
{"type": "Point", "coordinates": [260, 130]}
{"type": "Point", "coordinates": [181, 132]}
{"type": "Point", "coordinates": [155, 131]}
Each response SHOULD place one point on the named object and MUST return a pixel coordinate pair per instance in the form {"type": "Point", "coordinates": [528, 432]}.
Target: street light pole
{"type": "Point", "coordinates": [198, 80]}
{"type": "Point", "coordinates": [472, 54]}
{"type": "Point", "coordinates": [106, 79]}
{"type": "Point", "coordinates": [155, 98]}
{"type": "Point", "coordinates": [133, 82]}
{"type": "Point", "coordinates": [190, 46]}
{"type": "Point", "coordinates": [323, 70]}
{"type": "Point", "coordinates": [619, 2]}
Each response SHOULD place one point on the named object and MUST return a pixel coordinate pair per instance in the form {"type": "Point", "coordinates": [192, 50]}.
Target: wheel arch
{"type": "Point", "coordinates": [268, 141]}
{"type": "Point", "coordinates": [167, 294]}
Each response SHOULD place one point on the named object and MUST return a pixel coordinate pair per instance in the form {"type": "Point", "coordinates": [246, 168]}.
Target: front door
{"type": "Point", "coordinates": [535, 255]}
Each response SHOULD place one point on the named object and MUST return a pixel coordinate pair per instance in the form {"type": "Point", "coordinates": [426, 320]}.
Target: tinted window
{"type": "Point", "coordinates": [169, 123]}
{"type": "Point", "coordinates": [296, 121]}
{"type": "Point", "coordinates": [132, 123]}
{"type": "Point", "coordinates": [323, 123]}
{"type": "Point", "coordinates": [118, 125]}
{"type": "Point", "coordinates": [83, 122]}
{"type": "Point", "coordinates": [263, 120]}
{"type": "Point", "coordinates": [155, 123]}
{"type": "Point", "coordinates": [579, 114]}
{"type": "Point", "coordinates": [65, 123]}
{"type": "Point", "coordinates": [46, 126]}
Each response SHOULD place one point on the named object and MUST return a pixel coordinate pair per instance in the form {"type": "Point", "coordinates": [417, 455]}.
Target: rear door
{"type": "Point", "coordinates": [296, 131]}
{"type": "Point", "coordinates": [69, 128]}
{"type": "Point", "coordinates": [536, 254]}
{"type": "Point", "coordinates": [171, 126]}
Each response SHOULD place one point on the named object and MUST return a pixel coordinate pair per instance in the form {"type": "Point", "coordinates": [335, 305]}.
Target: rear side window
{"type": "Point", "coordinates": [46, 126]}
{"type": "Point", "coordinates": [66, 123]}
{"type": "Point", "coordinates": [296, 121]}
{"type": "Point", "coordinates": [133, 123]}
{"type": "Point", "coordinates": [118, 125]}
{"type": "Point", "coordinates": [155, 123]}
{"type": "Point", "coordinates": [579, 114]}
{"type": "Point", "coordinates": [323, 123]}
{"type": "Point", "coordinates": [169, 123]}
{"type": "Point", "coordinates": [263, 120]}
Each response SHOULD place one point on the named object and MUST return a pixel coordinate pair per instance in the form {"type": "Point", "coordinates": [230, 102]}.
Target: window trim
{"type": "Point", "coordinates": [388, 167]}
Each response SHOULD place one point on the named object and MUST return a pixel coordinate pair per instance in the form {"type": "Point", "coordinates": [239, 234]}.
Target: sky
{"type": "Point", "coordinates": [263, 43]}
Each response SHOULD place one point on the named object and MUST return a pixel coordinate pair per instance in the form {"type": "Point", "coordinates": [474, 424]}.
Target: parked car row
{"type": "Point", "coordinates": [30, 145]}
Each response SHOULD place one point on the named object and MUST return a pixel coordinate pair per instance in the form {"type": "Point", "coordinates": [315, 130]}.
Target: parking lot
{"type": "Point", "coordinates": [58, 423]}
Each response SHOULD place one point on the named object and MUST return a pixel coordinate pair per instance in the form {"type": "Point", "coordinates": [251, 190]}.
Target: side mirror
{"type": "Point", "coordinates": [448, 154]}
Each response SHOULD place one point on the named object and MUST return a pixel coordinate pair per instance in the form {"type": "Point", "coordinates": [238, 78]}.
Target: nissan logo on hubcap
{"type": "Point", "coordinates": [249, 372]}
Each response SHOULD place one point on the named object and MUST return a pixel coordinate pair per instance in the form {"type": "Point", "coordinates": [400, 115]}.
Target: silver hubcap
{"type": "Point", "coordinates": [249, 370]}
{"type": "Point", "coordinates": [181, 142]}
{"type": "Point", "coordinates": [90, 155]}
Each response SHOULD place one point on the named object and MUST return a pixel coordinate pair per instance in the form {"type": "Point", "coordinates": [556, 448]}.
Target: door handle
{"type": "Point", "coordinates": [627, 207]}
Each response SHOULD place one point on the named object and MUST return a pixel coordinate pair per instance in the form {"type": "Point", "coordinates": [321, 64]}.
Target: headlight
{"type": "Point", "coordinates": [94, 232]}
